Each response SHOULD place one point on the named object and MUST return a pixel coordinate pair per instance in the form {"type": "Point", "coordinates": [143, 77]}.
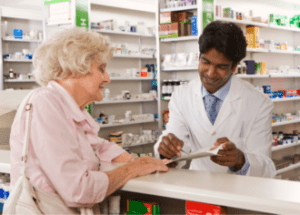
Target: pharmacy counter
{"type": "Point", "coordinates": [250, 193]}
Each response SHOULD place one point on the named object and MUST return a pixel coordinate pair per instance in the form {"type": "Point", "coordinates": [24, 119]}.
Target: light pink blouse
{"type": "Point", "coordinates": [62, 147]}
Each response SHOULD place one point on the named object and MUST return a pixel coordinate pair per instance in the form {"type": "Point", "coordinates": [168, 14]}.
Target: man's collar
{"type": "Point", "coordinates": [221, 93]}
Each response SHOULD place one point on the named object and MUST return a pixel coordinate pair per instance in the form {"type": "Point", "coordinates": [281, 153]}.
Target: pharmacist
{"type": "Point", "coordinates": [219, 108]}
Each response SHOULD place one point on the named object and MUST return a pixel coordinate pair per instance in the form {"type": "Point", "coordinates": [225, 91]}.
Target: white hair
{"type": "Point", "coordinates": [69, 53]}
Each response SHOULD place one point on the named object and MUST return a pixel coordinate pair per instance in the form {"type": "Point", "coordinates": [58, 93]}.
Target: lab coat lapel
{"type": "Point", "coordinates": [201, 109]}
{"type": "Point", "coordinates": [228, 105]}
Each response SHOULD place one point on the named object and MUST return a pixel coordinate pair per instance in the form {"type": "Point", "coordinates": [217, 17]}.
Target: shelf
{"type": "Point", "coordinates": [126, 123]}
{"type": "Point", "coordinates": [286, 99]}
{"type": "Point", "coordinates": [184, 68]}
{"type": "Point", "coordinates": [243, 22]}
{"type": "Point", "coordinates": [121, 33]}
{"type": "Point", "coordinates": [18, 60]}
{"type": "Point", "coordinates": [270, 76]}
{"type": "Point", "coordinates": [168, 98]}
{"type": "Point", "coordinates": [134, 56]}
{"type": "Point", "coordinates": [124, 101]}
{"type": "Point", "coordinates": [4, 161]}
{"type": "Point", "coordinates": [19, 80]}
{"type": "Point", "coordinates": [141, 144]}
{"type": "Point", "coordinates": [193, 7]}
{"type": "Point", "coordinates": [253, 76]}
{"type": "Point", "coordinates": [258, 50]}
{"type": "Point", "coordinates": [68, 22]}
{"type": "Point", "coordinates": [291, 167]}
{"type": "Point", "coordinates": [285, 52]}
{"type": "Point", "coordinates": [132, 79]}
{"type": "Point", "coordinates": [23, 40]}
{"type": "Point", "coordinates": [277, 148]}
{"type": "Point", "coordinates": [284, 28]}
{"type": "Point", "coordinates": [246, 22]}
{"type": "Point", "coordinates": [186, 38]}
{"type": "Point", "coordinates": [297, 120]}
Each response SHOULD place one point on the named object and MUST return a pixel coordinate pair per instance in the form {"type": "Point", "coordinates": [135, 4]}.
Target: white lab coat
{"type": "Point", "coordinates": [244, 118]}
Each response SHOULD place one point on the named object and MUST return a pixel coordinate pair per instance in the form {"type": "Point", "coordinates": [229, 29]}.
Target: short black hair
{"type": "Point", "coordinates": [227, 38]}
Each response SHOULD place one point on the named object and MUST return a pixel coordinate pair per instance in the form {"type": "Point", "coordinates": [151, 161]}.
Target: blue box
{"type": "Point", "coordinates": [267, 89]}
{"type": "Point", "coordinates": [280, 94]}
{"type": "Point", "coordinates": [18, 34]}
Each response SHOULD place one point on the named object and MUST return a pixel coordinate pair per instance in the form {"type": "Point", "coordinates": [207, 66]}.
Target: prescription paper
{"type": "Point", "coordinates": [207, 152]}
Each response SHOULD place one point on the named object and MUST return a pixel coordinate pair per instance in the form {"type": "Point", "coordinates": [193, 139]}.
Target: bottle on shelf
{"type": "Point", "coordinates": [170, 87]}
{"type": "Point", "coordinates": [164, 88]}
{"type": "Point", "coordinates": [11, 73]}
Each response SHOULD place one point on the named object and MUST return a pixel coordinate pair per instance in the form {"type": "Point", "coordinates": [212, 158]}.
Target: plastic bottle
{"type": "Point", "coordinates": [106, 94]}
{"type": "Point", "coordinates": [164, 88]}
{"type": "Point", "coordinates": [170, 88]}
{"type": "Point", "coordinates": [11, 73]}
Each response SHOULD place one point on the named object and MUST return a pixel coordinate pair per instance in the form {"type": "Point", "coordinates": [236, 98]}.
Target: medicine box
{"type": "Point", "coordinates": [163, 31]}
{"type": "Point", "coordinates": [175, 29]}
{"type": "Point", "coordinates": [18, 34]}
{"type": "Point", "coordinates": [168, 17]}
{"type": "Point", "coordinates": [139, 207]}
{"type": "Point", "coordinates": [184, 16]}
{"type": "Point", "coordinates": [203, 209]}
{"type": "Point", "coordinates": [194, 25]}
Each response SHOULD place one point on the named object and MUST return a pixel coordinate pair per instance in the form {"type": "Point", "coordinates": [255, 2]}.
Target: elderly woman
{"type": "Point", "coordinates": [64, 149]}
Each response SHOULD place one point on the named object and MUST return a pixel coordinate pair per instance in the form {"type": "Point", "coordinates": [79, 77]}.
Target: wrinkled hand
{"type": "Point", "coordinates": [232, 156]}
{"type": "Point", "coordinates": [146, 165]}
{"type": "Point", "coordinates": [170, 146]}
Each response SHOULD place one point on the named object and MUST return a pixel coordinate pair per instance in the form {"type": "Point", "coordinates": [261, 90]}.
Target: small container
{"type": "Point", "coordinates": [11, 73]}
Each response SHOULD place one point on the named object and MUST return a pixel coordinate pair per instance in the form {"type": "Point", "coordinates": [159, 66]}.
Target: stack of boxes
{"type": "Point", "coordinates": [177, 24]}
{"type": "Point", "coordinates": [252, 37]}
{"type": "Point", "coordinates": [280, 20]}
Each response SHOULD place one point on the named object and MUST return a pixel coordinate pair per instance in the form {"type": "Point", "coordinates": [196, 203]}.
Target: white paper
{"type": "Point", "coordinates": [198, 154]}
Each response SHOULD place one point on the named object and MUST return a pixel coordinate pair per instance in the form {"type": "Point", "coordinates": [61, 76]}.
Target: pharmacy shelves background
{"type": "Point", "coordinates": [124, 101]}
{"type": "Point", "coordinates": [122, 33]}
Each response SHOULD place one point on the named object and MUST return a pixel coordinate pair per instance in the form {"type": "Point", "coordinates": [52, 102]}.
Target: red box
{"type": "Point", "coordinates": [185, 16]}
{"type": "Point", "coordinates": [198, 208]}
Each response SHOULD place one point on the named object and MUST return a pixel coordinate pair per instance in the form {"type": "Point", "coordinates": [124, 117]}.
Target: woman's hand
{"type": "Point", "coordinates": [145, 165]}
{"type": "Point", "coordinates": [138, 167]}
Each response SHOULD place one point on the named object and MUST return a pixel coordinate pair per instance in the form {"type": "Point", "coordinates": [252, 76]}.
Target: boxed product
{"type": "Point", "coordinates": [192, 59]}
{"type": "Point", "coordinates": [163, 31]}
{"type": "Point", "coordinates": [139, 207]}
{"type": "Point", "coordinates": [175, 29]}
{"type": "Point", "coordinates": [194, 25]}
{"type": "Point", "coordinates": [185, 29]}
{"type": "Point", "coordinates": [180, 59]}
{"type": "Point", "coordinates": [199, 208]}
{"type": "Point", "coordinates": [167, 60]}
{"type": "Point", "coordinates": [184, 16]}
{"type": "Point", "coordinates": [168, 17]}
{"type": "Point", "coordinates": [252, 37]}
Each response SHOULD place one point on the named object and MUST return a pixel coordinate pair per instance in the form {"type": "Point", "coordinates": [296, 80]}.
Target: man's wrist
{"type": "Point", "coordinates": [240, 161]}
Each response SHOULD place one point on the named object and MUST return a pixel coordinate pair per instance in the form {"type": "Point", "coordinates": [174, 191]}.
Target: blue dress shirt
{"type": "Point", "coordinates": [221, 95]}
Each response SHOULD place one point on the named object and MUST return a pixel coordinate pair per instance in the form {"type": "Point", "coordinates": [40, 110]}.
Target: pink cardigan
{"type": "Point", "coordinates": [62, 147]}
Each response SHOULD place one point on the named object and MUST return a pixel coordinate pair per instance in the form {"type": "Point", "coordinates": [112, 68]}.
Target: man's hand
{"type": "Point", "coordinates": [170, 146]}
{"type": "Point", "coordinates": [232, 156]}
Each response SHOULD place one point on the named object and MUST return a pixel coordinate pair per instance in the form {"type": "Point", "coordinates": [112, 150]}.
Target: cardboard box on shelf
{"type": "Point", "coordinates": [204, 209]}
{"type": "Point", "coordinates": [168, 17]}
{"type": "Point", "coordinates": [185, 16]}
{"type": "Point", "coordinates": [163, 31]}
{"type": "Point", "coordinates": [175, 29]}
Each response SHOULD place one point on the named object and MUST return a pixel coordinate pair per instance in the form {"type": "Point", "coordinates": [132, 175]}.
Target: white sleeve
{"type": "Point", "coordinates": [177, 123]}
{"type": "Point", "coordinates": [258, 143]}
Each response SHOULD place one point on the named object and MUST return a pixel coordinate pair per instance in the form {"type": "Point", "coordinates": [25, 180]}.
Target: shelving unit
{"type": "Point", "coordinates": [289, 168]}
{"type": "Point", "coordinates": [269, 76]}
{"type": "Point", "coordinates": [122, 33]}
{"type": "Point", "coordinates": [137, 145]}
{"type": "Point", "coordinates": [132, 79]}
{"type": "Point", "coordinates": [18, 60]}
{"type": "Point", "coordinates": [22, 40]}
{"type": "Point", "coordinates": [278, 148]}
{"type": "Point", "coordinates": [26, 20]}
{"type": "Point", "coordinates": [293, 121]}
{"type": "Point", "coordinates": [124, 101]}
{"type": "Point", "coordinates": [177, 39]}
{"type": "Point", "coordinates": [126, 123]}
{"type": "Point", "coordinates": [193, 7]}
{"type": "Point", "coordinates": [186, 68]}
{"type": "Point", "coordinates": [19, 80]}
{"type": "Point", "coordinates": [133, 56]}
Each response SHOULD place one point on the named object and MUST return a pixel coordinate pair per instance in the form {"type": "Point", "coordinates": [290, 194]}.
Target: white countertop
{"type": "Point", "coordinates": [251, 193]}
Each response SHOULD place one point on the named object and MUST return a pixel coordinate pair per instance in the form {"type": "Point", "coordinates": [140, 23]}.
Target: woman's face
{"type": "Point", "coordinates": [94, 82]}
